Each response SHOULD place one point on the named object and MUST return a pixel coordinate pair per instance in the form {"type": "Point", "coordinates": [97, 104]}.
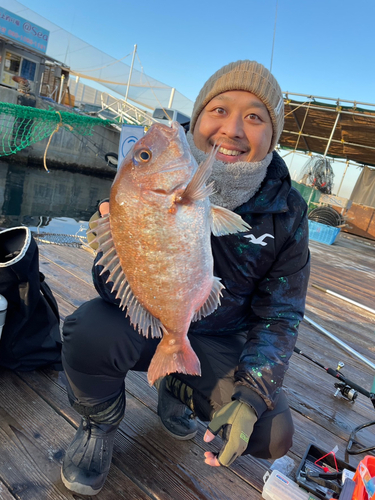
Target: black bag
{"type": "Point", "coordinates": [31, 335]}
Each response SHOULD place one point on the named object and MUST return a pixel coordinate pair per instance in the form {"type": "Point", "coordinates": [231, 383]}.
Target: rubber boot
{"type": "Point", "coordinates": [175, 408]}
{"type": "Point", "coordinates": [88, 459]}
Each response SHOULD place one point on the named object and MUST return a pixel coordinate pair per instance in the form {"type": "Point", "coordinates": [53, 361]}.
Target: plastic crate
{"type": "Point", "coordinates": [322, 232]}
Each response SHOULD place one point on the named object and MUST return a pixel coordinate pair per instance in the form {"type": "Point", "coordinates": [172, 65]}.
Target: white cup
{"type": "Point", "coordinates": [3, 312]}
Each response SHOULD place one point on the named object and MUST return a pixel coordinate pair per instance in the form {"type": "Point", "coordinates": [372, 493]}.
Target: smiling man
{"type": "Point", "coordinates": [244, 347]}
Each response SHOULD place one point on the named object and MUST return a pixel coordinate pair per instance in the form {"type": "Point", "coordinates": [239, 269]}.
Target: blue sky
{"type": "Point", "coordinates": [322, 47]}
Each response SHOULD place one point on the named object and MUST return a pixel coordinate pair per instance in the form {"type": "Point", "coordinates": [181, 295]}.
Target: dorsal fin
{"type": "Point", "coordinates": [141, 319]}
{"type": "Point", "coordinates": [224, 221]}
{"type": "Point", "coordinates": [197, 189]}
{"type": "Point", "coordinates": [212, 302]}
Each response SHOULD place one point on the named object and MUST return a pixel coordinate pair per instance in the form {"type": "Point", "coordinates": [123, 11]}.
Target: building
{"type": "Point", "coordinates": [23, 47]}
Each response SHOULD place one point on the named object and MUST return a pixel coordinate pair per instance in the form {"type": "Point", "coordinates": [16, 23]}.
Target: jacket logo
{"type": "Point", "coordinates": [260, 239]}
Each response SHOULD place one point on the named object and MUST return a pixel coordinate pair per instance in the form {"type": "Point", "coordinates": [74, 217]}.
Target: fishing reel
{"type": "Point", "coordinates": [346, 390]}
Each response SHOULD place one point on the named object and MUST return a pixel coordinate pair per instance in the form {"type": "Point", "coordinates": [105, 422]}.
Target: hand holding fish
{"type": "Point", "coordinates": [104, 208]}
{"type": "Point", "coordinates": [236, 422]}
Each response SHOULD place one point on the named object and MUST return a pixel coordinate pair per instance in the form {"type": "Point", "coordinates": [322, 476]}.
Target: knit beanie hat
{"type": "Point", "coordinates": [252, 77]}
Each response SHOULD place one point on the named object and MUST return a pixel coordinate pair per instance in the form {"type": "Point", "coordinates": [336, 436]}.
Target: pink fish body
{"type": "Point", "coordinates": [156, 244]}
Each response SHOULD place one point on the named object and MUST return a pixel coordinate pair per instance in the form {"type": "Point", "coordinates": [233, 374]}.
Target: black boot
{"type": "Point", "coordinates": [88, 459]}
{"type": "Point", "coordinates": [175, 400]}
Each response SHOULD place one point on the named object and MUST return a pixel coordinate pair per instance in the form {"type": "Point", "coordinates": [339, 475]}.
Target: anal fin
{"type": "Point", "coordinates": [212, 302]}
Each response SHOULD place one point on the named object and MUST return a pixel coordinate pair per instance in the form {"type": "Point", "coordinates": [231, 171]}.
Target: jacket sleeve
{"type": "Point", "coordinates": [277, 309]}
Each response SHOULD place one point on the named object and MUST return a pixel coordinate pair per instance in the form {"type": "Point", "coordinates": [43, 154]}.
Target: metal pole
{"type": "Point", "coordinates": [342, 180]}
{"type": "Point", "coordinates": [333, 140]}
{"type": "Point", "coordinates": [61, 88]}
{"type": "Point", "coordinates": [274, 33]}
{"type": "Point", "coordinates": [344, 298]}
{"type": "Point", "coordinates": [340, 342]}
{"type": "Point", "coordinates": [332, 132]}
{"type": "Point", "coordinates": [171, 97]}
{"type": "Point", "coordinates": [130, 73]}
{"type": "Point", "coordinates": [328, 98]}
{"type": "Point", "coordinates": [331, 110]}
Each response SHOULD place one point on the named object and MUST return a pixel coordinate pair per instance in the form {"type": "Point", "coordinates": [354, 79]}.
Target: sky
{"type": "Point", "coordinates": [319, 47]}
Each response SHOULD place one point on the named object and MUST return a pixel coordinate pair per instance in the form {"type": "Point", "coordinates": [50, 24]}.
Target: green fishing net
{"type": "Point", "coordinates": [21, 126]}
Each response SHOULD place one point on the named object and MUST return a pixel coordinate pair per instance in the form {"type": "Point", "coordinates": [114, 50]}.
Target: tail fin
{"type": "Point", "coordinates": [181, 359]}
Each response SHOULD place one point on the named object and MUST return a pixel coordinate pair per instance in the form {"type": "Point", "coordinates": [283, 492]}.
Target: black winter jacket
{"type": "Point", "coordinates": [265, 273]}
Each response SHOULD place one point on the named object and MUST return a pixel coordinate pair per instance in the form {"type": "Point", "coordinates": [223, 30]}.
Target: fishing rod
{"type": "Point", "coordinates": [340, 342]}
{"type": "Point", "coordinates": [348, 389]}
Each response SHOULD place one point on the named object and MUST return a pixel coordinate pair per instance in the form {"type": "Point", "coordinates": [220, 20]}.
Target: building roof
{"type": "Point", "coordinates": [334, 127]}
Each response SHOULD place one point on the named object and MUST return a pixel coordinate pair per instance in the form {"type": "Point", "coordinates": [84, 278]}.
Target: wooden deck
{"type": "Point", "coordinates": [37, 422]}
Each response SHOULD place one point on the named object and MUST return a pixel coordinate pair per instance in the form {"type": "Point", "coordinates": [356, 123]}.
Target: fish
{"type": "Point", "coordinates": [156, 244]}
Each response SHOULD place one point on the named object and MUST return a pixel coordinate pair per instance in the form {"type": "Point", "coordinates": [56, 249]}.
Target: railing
{"type": "Point", "coordinates": [124, 111]}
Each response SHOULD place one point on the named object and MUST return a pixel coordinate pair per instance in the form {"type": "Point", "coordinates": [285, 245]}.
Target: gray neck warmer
{"type": "Point", "coordinates": [234, 183]}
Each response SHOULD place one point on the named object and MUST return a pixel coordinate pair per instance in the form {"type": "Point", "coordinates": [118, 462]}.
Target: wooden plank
{"type": "Point", "coordinates": [343, 269]}
{"type": "Point", "coordinates": [75, 261]}
{"type": "Point", "coordinates": [319, 418]}
{"type": "Point", "coordinates": [308, 424]}
{"type": "Point", "coordinates": [5, 493]}
{"type": "Point", "coordinates": [66, 286]}
{"type": "Point", "coordinates": [33, 438]}
{"type": "Point", "coordinates": [151, 449]}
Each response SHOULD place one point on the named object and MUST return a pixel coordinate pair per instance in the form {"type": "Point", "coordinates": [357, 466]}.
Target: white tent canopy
{"type": "Point", "coordinates": [89, 62]}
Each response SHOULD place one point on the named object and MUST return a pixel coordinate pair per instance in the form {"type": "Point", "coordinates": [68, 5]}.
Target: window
{"type": "Point", "coordinates": [182, 118]}
{"type": "Point", "coordinates": [163, 114]}
{"type": "Point", "coordinates": [28, 69]}
{"type": "Point", "coordinates": [12, 63]}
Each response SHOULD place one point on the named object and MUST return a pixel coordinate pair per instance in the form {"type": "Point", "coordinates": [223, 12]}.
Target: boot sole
{"type": "Point", "coordinates": [176, 436]}
{"type": "Point", "coordinates": [79, 488]}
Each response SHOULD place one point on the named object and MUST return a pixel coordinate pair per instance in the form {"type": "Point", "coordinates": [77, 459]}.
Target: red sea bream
{"type": "Point", "coordinates": [156, 244]}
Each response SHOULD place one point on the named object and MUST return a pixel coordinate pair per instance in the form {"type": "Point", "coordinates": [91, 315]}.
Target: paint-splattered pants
{"type": "Point", "coordinates": [100, 347]}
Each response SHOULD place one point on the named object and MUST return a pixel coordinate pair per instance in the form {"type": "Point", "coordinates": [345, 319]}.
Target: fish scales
{"type": "Point", "coordinates": [160, 222]}
{"type": "Point", "coordinates": [165, 256]}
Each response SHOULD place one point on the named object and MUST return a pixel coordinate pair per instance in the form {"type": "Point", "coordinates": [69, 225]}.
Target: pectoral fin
{"type": "Point", "coordinates": [224, 221]}
{"type": "Point", "coordinates": [197, 189]}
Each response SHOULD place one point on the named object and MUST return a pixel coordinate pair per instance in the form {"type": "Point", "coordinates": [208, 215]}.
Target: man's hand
{"type": "Point", "coordinates": [103, 209]}
{"type": "Point", "coordinates": [236, 421]}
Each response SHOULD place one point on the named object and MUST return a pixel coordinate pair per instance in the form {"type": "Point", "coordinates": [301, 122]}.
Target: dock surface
{"type": "Point", "coordinates": [37, 423]}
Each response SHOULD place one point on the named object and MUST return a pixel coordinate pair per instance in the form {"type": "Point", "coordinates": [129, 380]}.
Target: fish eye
{"type": "Point", "coordinates": [143, 155]}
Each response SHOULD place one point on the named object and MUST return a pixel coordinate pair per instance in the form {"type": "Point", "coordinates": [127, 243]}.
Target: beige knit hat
{"type": "Point", "coordinates": [250, 76]}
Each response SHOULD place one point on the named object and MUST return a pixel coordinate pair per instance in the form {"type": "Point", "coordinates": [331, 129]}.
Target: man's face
{"type": "Point", "coordinates": [239, 122]}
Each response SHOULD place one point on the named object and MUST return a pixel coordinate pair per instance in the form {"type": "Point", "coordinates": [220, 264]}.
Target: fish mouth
{"type": "Point", "coordinates": [175, 167]}
{"type": "Point", "coordinates": [167, 192]}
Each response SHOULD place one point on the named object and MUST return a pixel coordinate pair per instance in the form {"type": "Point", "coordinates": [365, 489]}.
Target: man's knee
{"type": "Point", "coordinates": [98, 338]}
{"type": "Point", "coordinates": [272, 437]}
{"type": "Point", "coordinates": [281, 443]}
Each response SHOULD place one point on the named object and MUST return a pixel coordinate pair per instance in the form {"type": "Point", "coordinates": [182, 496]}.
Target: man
{"type": "Point", "coordinates": [24, 85]}
{"type": "Point", "coordinates": [245, 345]}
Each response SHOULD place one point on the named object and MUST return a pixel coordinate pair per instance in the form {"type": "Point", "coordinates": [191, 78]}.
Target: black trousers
{"type": "Point", "coordinates": [100, 347]}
